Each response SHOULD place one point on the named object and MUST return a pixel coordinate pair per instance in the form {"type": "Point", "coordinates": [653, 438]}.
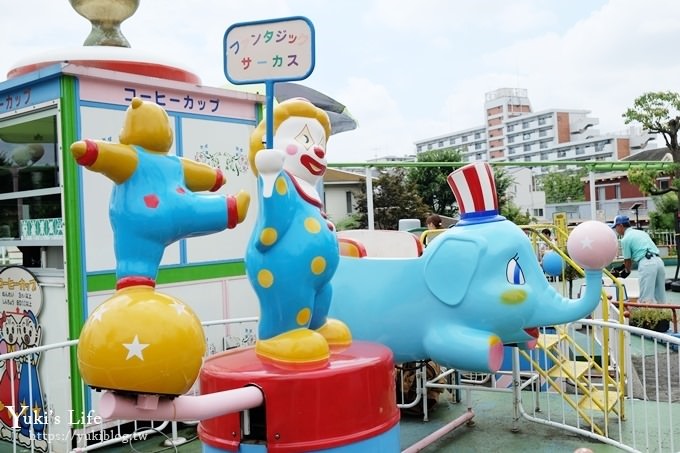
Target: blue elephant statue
{"type": "Point", "coordinates": [476, 287]}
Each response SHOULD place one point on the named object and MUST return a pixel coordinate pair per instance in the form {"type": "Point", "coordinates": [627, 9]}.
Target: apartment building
{"type": "Point", "coordinates": [513, 132]}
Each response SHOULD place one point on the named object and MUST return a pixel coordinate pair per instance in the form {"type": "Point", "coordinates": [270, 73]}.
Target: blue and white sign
{"type": "Point", "coordinates": [269, 50]}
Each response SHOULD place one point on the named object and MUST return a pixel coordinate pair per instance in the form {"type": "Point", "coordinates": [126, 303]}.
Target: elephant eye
{"type": "Point", "coordinates": [514, 272]}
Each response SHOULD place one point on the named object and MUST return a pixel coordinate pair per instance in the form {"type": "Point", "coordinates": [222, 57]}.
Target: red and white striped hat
{"type": "Point", "coordinates": [475, 190]}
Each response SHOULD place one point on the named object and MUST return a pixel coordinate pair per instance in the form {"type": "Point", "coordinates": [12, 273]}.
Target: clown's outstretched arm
{"type": "Point", "coordinates": [269, 163]}
{"type": "Point", "coordinates": [199, 177]}
{"type": "Point", "coordinates": [276, 195]}
{"type": "Point", "coordinates": [115, 161]}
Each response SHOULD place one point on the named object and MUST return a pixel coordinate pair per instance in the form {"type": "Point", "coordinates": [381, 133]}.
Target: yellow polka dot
{"type": "Point", "coordinates": [265, 278]}
{"type": "Point", "coordinates": [318, 265]}
{"type": "Point", "coordinates": [281, 186]}
{"type": "Point", "coordinates": [312, 225]}
{"type": "Point", "coordinates": [268, 236]}
{"type": "Point", "coordinates": [303, 316]}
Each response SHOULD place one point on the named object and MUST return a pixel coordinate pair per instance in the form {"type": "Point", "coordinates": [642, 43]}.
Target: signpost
{"type": "Point", "coordinates": [269, 51]}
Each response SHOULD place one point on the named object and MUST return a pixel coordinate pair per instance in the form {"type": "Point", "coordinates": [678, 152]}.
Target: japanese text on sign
{"type": "Point", "coordinates": [277, 50]}
{"type": "Point", "coordinates": [19, 290]}
{"type": "Point", "coordinates": [15, 100]}
{"type": "Point", "coordinates": [185, 102]}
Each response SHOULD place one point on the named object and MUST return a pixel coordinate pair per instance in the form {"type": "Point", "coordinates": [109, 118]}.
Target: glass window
{"type": "Point", "coordinates": [526, 136]}
{"type": "Point", "coordinates": [30, 196]}
{"type": "Point", "coordinates": [28, 155]}
{"type": "Point", "coordinates": [348, 202]}
{"type": "Point", "coordinates": [511, 127]}
{"type": "Point", "coordinates": [465, 139]}
{"type": "Point", "coordinates": [15, 214]}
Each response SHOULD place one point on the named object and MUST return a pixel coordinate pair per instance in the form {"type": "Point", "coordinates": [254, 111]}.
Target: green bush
{"type": "Point", "coordinates": [649, 318]}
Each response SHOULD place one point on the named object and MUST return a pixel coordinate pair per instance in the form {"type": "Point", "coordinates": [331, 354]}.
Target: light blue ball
{"type": "Point", "coordinates": [553, 264]}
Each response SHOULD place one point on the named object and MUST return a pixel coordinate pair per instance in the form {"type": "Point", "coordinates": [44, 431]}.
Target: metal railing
{"type": "Point", "coordinates": [651, 400]}
{"type": "Point", "coordinates": [652, 393]}
{"type": "Point", "coordinates": [48, 427]}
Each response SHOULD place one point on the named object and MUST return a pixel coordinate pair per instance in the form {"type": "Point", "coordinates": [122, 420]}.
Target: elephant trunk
{"type": "Point", "coordinates": [561, 310]}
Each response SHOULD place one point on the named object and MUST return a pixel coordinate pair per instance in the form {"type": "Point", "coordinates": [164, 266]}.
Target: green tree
{"type": "Point", "coordinates": [562, 187]}
{"type": "Point", "coordinates": [659, 112]}
{"type": "Point", "coordinates": [394, 197]}
{"type": "Point", "coordinates": [503, 182]}
{"type": "Point", "coordinates": [431, 181]}
{"type": "Point", "coordinates": [351, 222]}
{"type": "Point", "coordinates": [513, 213]}
{"type": "Point", "coordinates": [662, 218]}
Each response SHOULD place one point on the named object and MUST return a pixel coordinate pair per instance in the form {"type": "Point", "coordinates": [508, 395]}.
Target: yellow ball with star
{"type": "Point", "coordinates": [141, 341]}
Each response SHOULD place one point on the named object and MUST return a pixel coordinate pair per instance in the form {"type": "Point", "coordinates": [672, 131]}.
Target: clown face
{"type": "Point", "coordinates": [303, 141]}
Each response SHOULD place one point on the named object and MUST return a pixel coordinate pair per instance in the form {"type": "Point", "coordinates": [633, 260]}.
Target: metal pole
{"type": "Point", "coordinates": [269, 113]}
{"type": "Point", "coordinates": [593, 201]}
{"type": "Point", "coordinates": [516, 391]}
{"type": "Point", "coordinates": [369, 198]}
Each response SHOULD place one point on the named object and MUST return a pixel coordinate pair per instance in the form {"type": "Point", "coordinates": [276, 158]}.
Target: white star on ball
{"type": "Point", "coordinates": [587, 243]}
{"type": "Point", "coordinates": [135, 348]}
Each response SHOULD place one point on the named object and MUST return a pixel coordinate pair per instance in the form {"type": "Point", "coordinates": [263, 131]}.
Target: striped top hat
{"type": "Point", "coordinates": [475, 190]}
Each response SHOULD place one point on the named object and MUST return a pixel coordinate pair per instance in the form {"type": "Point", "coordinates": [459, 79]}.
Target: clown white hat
{"type": "Point", "coordinates": [475, 190]}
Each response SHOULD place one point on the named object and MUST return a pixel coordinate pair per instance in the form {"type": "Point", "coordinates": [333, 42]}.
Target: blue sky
{"type": "Point", "coordinates": [409, 70]}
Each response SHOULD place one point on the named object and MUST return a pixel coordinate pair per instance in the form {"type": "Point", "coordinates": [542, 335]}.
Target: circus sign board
{"type": "Point", "coordinates": [269, 50]}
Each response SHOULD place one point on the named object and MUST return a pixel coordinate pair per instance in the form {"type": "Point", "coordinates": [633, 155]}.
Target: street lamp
{"type": "Point", "coordinates": [636, 208]}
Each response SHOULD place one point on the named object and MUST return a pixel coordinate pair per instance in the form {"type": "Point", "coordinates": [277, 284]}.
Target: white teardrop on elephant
{"type": "Point", "coordinates": [28, 154]}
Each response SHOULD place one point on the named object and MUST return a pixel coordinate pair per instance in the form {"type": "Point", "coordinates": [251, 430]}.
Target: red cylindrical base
{"type": "Point", "coordinates": [350, 400]}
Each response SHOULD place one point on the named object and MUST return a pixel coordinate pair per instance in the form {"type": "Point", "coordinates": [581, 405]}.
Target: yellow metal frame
{"type": "Point", "coordinates": [562, 235]}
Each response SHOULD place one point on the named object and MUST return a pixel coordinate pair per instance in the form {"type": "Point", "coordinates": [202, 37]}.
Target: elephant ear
{"type": "Point", "coordinates": [451, 266]}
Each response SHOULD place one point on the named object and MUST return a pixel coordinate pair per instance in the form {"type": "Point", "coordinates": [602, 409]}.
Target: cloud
{"type": "Point", "coordinates": [601, 63]}
{"type": "Point", "coordinates": [383, 129]}
{"type": "Point", "coordinates": [414, 71]}
{"type": "Point", "coordinates": [453, 18]}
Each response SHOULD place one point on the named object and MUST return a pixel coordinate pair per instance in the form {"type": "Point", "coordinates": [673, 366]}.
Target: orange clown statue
{"type": "Point", "coordinates": [293, 251]}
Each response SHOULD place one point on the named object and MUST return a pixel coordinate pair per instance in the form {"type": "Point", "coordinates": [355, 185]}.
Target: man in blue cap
{"type": "Point", "coordinates": [637, 246]}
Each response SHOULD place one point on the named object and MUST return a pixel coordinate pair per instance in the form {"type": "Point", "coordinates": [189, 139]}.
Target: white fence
{"type": "Point", "coordinates": [48, 428]}
{"type": "Point", "coordinates": [648, 420]}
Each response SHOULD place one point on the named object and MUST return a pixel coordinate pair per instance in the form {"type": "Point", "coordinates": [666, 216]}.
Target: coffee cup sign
{"type": "Point", "coordinates": [19, 290]}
